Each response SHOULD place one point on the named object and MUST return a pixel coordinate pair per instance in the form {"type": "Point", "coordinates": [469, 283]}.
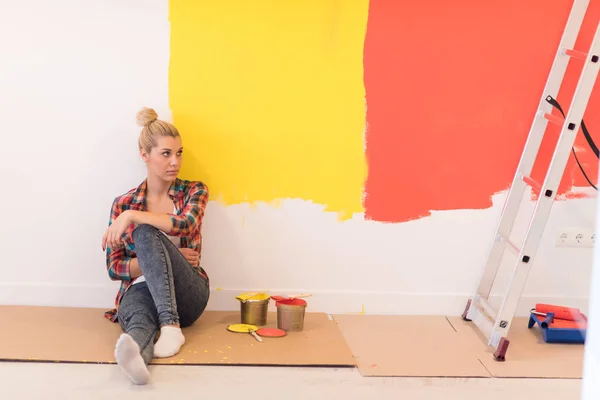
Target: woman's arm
{"type": "Point", "coordinates": [176, 225]}
{"type": "Point", "coordinates": [191, 216]}
{"type": "Point", "coordinates": [162, 222]}
{"type": "Point", "coordinates": [121, 268]}
{"type": "Point", "coordinates": [118, 265]}
{"type": "Point", "coordinates": [183, 224]}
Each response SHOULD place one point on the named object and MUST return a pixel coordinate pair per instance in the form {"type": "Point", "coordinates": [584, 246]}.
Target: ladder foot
{"type": "Point", "coordinates": [500, 354]}
{"type": "Point", "coordinates": [464, 314]}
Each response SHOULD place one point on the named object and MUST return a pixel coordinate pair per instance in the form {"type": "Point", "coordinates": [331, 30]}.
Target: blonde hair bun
{"type": "Point", "coordinates": [146, 116]}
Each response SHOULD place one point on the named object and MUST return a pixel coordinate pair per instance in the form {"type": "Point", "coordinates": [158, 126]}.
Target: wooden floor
{"type": "Point", "coordinates": [24, 381]}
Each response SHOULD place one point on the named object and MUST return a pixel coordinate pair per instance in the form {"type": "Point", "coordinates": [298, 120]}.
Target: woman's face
{"type": "Point", "coordinates": [164, 160]}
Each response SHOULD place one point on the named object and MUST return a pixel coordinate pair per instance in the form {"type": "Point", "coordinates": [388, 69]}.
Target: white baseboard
{"type": "Point", "coordinates": [393, 303]}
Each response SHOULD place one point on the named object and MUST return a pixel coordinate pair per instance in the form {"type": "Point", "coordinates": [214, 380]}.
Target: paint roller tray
{"type": "Point", "coordinates": [559, 330]}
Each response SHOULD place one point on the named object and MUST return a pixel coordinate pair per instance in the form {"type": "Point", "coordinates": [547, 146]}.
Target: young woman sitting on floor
{"type": "Point", "coordinates": [153, 245]}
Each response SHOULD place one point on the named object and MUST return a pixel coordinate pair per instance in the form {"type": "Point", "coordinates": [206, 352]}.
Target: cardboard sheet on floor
{"type": "Point", "coordinates": [84, 335]}
{"type": "Point", "coordinates": [419, 346]}
{"type": "Point", "coordinates": [528, 356]}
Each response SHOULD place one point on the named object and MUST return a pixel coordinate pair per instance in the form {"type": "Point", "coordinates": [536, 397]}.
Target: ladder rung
{"type": "Point", "coordinates": [513, 247]}
{"type": "Point", "coordinates": [487, 309]}
{"type": "Point", "coordinates": [531, 182]}
{"type": "Point", "coordinates": [485, 326]}
{"type": "Point", "coordinates": [555, 119]}
{"type": "Point", "coordinates": [482, 316]}
{"type": "Point", "coordinates": [576, 54]}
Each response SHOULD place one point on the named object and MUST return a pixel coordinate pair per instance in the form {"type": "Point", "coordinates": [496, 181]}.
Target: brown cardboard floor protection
{"type": "Point", "coordinates": [435, 346]}
{"type": "Point", "coordinates": [84, 335]}
{"type": "Point", "coordinates": [409, 346]}
{"type": "Point", "coordinates": [528, 356]}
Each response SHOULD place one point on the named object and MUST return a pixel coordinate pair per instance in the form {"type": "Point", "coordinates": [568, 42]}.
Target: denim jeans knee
{"type": "Point", "coordinates": [143, 231]}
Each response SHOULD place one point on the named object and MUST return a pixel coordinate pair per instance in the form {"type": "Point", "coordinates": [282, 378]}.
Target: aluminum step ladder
{"type": "Point", "coordinates": [495, 324]}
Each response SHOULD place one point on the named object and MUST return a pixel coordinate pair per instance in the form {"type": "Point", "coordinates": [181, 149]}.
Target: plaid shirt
{"type": "Point", "coordinates": [190, 199]}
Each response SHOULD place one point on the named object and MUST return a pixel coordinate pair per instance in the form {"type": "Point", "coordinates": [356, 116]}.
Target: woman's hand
{"type": "Point", "coordinates": [112, 236]}
{"type": "Point", "coordinates": [192, 256]}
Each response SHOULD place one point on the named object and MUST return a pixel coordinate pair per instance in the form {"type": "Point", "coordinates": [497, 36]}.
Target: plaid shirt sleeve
{"type": "Point", "coordinates": [117, 263]}
{"type": "Point", "coordinates": [192, 213]}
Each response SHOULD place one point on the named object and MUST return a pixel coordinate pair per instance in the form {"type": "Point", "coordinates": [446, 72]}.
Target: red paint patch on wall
{"type": "Point", "coordinates": [451, 89]}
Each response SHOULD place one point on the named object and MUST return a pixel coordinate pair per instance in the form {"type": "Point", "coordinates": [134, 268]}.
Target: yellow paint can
{"type": "Point", "coordinates": [254, 308]}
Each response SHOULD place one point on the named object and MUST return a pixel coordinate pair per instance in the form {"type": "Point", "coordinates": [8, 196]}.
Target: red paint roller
{"type": "Point", "coordinates": [564, 313]}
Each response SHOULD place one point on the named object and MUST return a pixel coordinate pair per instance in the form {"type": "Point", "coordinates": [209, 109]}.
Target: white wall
{"type": "Point", "coordinates": [72, 79]}
{"type": "Point", "coordinates": [591, 369]}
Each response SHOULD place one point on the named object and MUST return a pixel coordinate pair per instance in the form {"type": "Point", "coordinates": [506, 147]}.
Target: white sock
{"type": "Point", "coordinates": [127, 353]}
{"type": "Point", "coordinates": [170, 341]}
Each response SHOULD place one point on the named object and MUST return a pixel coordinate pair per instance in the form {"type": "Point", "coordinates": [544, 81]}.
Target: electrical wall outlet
{"type": "Point", "coordinates": [575, 237]}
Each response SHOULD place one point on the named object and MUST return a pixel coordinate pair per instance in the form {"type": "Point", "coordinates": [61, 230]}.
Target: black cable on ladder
{"type": "Point", "coordinates": [582, 171]}
{"type": "Point", "coordinates": [587, 135]}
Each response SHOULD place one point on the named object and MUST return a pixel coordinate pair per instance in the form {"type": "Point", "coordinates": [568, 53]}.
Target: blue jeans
{"type": "Point", "coordinates": [174, 292]}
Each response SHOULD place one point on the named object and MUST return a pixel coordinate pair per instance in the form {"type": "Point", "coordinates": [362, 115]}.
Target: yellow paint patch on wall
{"type": "Point", "coordinates": [269, 98]}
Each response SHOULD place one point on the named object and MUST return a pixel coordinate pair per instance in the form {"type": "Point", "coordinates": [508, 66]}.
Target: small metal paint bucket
{"type": "Point", "coordinates": [254, 308]}
{"type": "Point", "coordinates": [290, 314]}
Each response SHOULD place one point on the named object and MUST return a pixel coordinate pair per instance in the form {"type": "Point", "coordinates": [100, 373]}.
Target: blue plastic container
{"type": "Point", "coordinates": [557, 335]}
